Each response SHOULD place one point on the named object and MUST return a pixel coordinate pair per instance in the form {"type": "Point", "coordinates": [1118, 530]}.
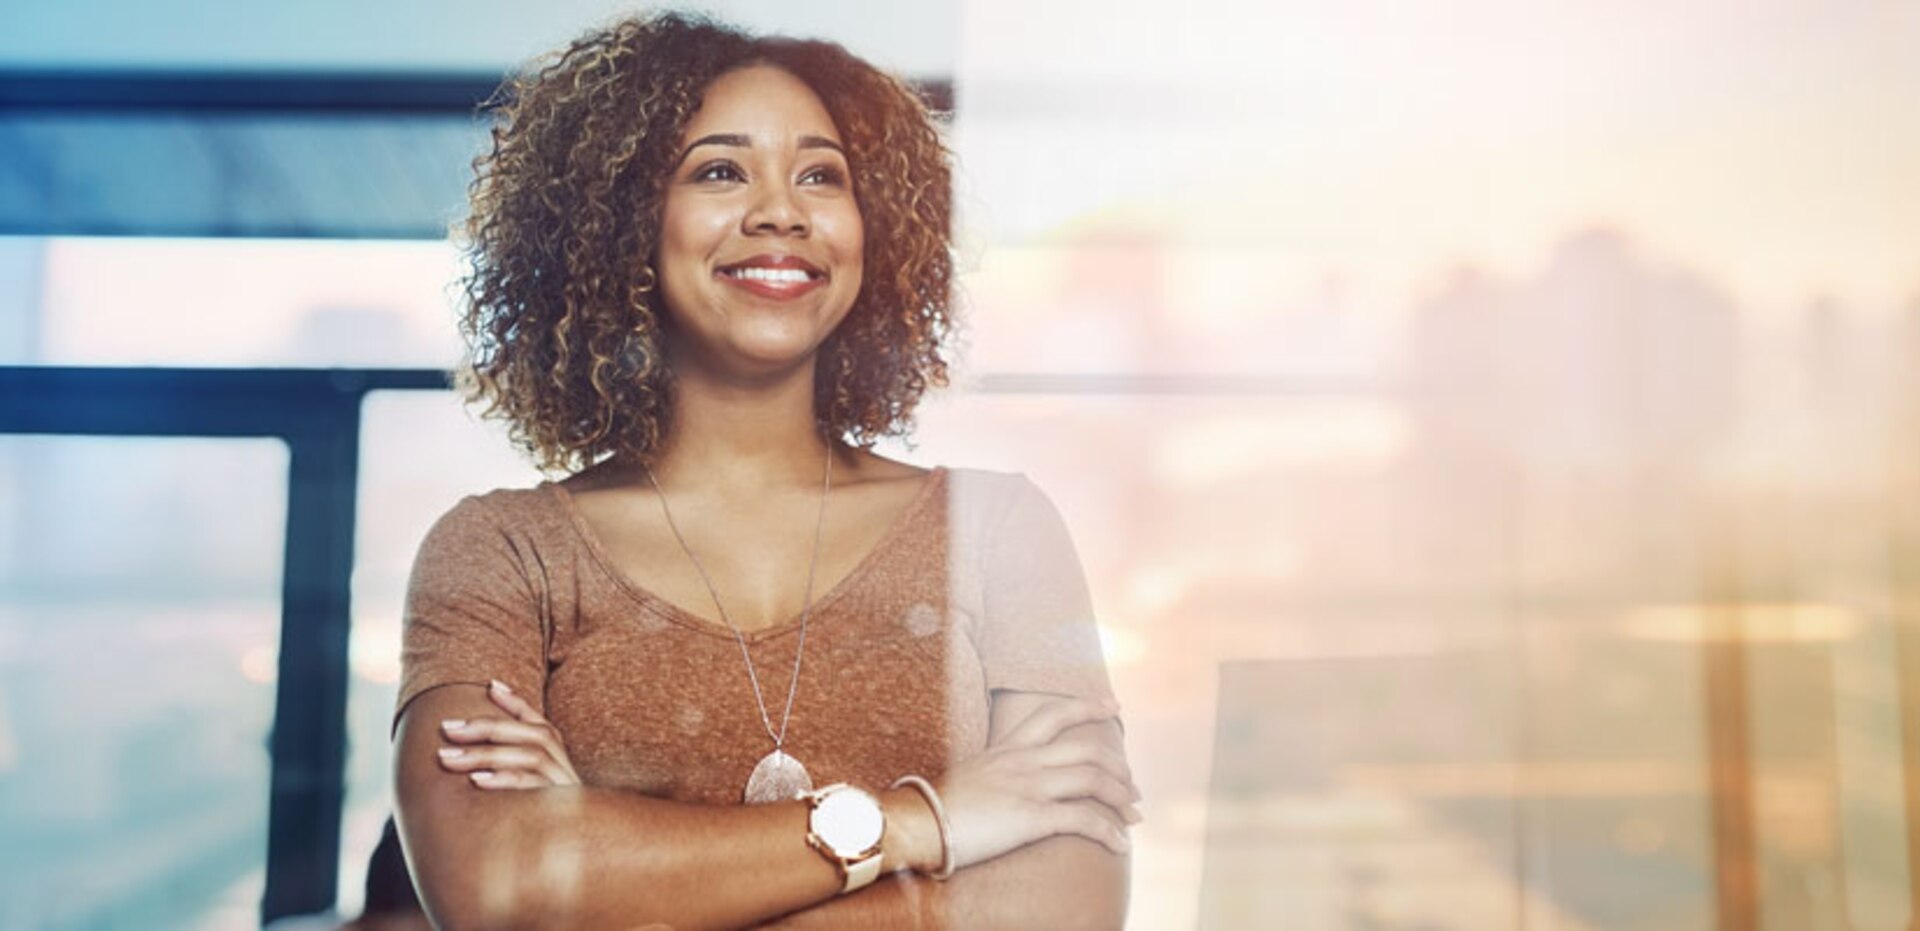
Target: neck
{"type": "Point", "coordinates": [738, 435]}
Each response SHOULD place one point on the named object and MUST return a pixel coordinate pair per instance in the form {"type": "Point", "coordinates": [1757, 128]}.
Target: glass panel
{"type": "Point", "coordinates": [139, 632]}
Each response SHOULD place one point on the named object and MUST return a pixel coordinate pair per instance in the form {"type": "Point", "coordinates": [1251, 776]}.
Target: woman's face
{"type": "Point", "coordinates": [760, 241]}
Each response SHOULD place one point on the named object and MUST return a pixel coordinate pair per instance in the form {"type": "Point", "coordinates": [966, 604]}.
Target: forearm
{"type": "Point", "coordinates": [591, 858]}
{"type": "Point", "coordinates": [1063, 882]}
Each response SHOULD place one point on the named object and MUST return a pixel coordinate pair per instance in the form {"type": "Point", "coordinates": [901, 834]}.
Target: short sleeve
{"type": "Point", "coordinates": [472, 611]}
{"type": "Point", "coordinates": [1038, 632]}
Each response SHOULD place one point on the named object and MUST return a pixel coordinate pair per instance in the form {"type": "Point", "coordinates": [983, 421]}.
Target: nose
{"type": "Point", "coordinates": [774, 210]}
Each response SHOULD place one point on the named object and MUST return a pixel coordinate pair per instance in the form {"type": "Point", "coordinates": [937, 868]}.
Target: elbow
{"type": "Point", "coordinates": [468, 879]}
{"type": "Point", "coordinates": [462, 910]}
{"type": "Point", "coordinates": [485, 897]}
{"type": "Point", "coordinates": [507, 879]}
{"type": "Point", "coordinates": [468, 894]}
{"type": "Point", "coordinates": [461, 916]}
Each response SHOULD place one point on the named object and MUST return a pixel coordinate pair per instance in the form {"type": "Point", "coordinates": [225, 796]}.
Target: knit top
{"type": "Point", "coordinates": [975, 587]}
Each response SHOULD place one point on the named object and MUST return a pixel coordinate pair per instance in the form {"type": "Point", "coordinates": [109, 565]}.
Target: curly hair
{"type": "Point", "coordinates": [562, 319]}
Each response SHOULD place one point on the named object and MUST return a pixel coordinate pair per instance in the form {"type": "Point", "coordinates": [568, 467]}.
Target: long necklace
{"type": "Point", "coordinates": [778, 777]}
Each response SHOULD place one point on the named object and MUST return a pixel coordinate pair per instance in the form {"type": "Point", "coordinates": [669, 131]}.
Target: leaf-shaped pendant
{"type": "Point", "coordinates": [777, 778]}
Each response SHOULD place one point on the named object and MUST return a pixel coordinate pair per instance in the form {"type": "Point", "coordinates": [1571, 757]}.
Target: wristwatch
{"type": "Point", "coordinates": [845, 824]}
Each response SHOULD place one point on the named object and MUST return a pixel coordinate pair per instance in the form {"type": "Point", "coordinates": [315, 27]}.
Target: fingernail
{"type": "Point", "coordinates": [1133, 815]}
{"type": "Point", "coordinates": [502, 686]}
{"type": "Point", "coordinates": [482, 776]}
{"type": "Point", "coordinates": [453, 724]}
{"type": "Point", "coordinates": [448, 753]}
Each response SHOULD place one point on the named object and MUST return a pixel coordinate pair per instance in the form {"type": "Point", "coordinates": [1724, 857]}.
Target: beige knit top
{"type": "Point", "coordinates": [975, 587]}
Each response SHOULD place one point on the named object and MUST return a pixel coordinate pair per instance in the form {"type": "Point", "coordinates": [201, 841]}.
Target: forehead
{"type": "Point", "coordinates": [760, 100]}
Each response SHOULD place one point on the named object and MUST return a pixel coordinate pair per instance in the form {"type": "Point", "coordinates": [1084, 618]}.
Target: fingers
{"type": "Point", "coordinates": [1054, 717]}
{"type": "Point", "coordinates": [502, 760]}
{"type": "Point", "coordinates": [533, 746]}
{"type": "Point", "coordinates": [507, 779]}
{"type": "Point", "coordinates": [1093, 821]}
{"type": "Point", "coordinates": [502, 731]}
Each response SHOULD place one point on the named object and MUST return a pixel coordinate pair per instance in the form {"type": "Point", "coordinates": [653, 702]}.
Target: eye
{"type": "Point", "coordinates": [830, 175]}
{"type": "Point", "coordinates": [718, 171]}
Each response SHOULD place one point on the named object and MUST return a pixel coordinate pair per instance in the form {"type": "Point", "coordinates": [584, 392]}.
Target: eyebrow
{"type": "Point", "coordinates": [742, 141]}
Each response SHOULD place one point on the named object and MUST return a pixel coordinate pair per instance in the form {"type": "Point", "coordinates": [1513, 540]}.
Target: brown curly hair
{"type": "Point", "coordinates": [562, 320]}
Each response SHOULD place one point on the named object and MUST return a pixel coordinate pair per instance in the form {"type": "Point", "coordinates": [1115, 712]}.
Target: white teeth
{"type": "Point", "coordinates": [781, 275]}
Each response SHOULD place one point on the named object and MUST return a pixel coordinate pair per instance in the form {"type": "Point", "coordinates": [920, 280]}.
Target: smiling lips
{"type": "Point", "coordinates": [779, 277]}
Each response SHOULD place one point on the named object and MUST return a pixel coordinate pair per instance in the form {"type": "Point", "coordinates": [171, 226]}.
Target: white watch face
{"type": "Point", "coordinates": [849, 820]}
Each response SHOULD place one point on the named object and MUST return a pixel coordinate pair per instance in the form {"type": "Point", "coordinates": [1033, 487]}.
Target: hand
{"type": "Point", "coordinates": [524, 752]}
{"type": "Point", "coordinates": [1028, 786]}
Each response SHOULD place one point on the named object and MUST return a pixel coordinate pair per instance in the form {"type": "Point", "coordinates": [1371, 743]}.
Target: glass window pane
{"type": "Point", "coordinates": [139, 637]}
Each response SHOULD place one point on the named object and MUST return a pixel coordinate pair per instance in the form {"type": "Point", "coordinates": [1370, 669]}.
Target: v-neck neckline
{"type": "Point", "coordinates": [929, 485]}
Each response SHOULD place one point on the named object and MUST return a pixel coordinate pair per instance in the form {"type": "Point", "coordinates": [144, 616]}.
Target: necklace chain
{"type": "Point", "coordinates": [806, 607]}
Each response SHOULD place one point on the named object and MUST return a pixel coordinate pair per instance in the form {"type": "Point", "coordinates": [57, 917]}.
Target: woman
{"type": "Point", "coordinates": [709, 271]}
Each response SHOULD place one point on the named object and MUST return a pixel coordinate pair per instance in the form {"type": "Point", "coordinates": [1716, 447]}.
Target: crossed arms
{"type": "Point", "coordinates": [589, 857]}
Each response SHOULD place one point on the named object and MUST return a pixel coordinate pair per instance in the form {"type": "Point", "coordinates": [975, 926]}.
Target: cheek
{"type": "Point", "coordinates": [848, 236]}
{"type": "Point", "coordinates": [687, 232]}
{"type": "Point", "coordinates": [677, 262]}
{"type": "Point", "coordinates": [688, 236]}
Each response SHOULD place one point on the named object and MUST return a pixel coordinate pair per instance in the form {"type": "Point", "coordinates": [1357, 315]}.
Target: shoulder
{"type": "Point", "coordinates": [500, 507]}
{"type": "Point", "coordinates": [500, 519]}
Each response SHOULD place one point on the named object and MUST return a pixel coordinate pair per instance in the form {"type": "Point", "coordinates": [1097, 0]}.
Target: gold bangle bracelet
{"type": "Point", "coordinates": [926, 791]}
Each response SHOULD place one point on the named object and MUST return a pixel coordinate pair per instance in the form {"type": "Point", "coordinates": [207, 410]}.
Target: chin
{"type": "Point", "coordinates": [779, 340]}
{"type": "Point", "coordinates": [764, 357]}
